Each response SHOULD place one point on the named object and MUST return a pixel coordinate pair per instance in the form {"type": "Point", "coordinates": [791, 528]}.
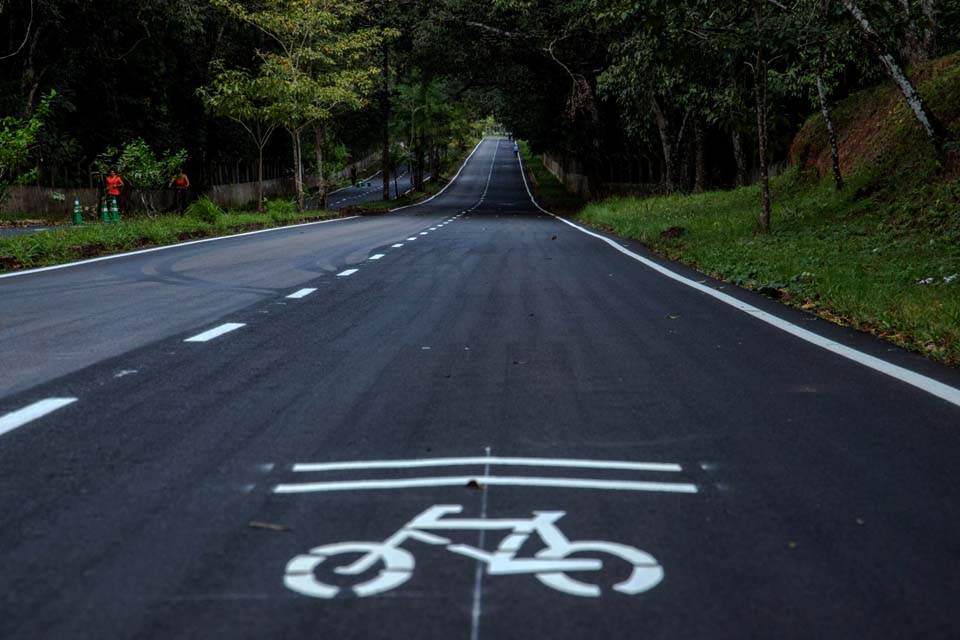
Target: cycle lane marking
{"type": "Point", "coordinates": [416, 463]}
{"type": "Point", "coordinates": [551, 565]}
{"type": "Point", "coordinates": [515, 481]}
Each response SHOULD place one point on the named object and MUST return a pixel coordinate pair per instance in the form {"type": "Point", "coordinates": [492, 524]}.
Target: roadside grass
{"type": "Point", "coordinates": [69, 243]}
{"type": "Point", "coordinates": [550, 191]}
{"type": "Point", "coordinates": [847, 257]}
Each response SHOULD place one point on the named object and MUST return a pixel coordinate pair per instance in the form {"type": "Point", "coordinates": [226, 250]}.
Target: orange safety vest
{"type": "Point", "coordinates": [114, 184]}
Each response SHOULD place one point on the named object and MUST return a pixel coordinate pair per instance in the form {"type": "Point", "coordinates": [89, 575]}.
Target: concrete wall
{"type": "Point", "coordinates": [568, 172]}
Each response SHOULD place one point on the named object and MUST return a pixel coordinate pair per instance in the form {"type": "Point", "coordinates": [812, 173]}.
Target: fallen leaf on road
{"type": "Point", "coordinates": [269, 526]}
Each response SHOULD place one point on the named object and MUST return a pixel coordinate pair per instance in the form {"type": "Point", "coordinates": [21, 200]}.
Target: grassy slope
{"type": "Point", "coordinates": [855, 257]}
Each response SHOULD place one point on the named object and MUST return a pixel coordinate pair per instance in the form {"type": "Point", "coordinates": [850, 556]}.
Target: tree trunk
{"type": "Point", "coordinates": [297, 167]}
{"type": "Point", "coordinates": [260, 179]}
{"type": "Point", "coordinates": [385, 116]}
{"type": "Point", "coordinates": [666, 142]}
{"type": "Point", "coordinates": [930, 26]}
{"type": "Point", "coordinates": [736, 138]}
{"type": "Point", "coordinates": [932, 127]}
{"type": "Point", "coordinates": [321, 174]}
{"type": "Point", "coordinates": [825, 105]}
{"type": "Point", "coordinates": [699, 163]}
{"type": "Point", "coordinates": [760, 92]}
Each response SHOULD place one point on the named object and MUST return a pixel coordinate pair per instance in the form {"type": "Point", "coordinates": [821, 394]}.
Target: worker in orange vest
{"type": "Point", "coordinates": [114, 186]}
{"type": "Point", "coordinates": [180, 183]}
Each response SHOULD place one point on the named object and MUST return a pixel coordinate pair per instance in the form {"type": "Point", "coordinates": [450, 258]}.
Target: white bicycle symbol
{"type": "Point", "coordinates": [550, 565]}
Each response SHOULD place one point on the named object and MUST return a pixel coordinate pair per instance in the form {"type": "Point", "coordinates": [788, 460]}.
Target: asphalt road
{"type": "Point", "coordinates": [352, 194]}
{"type": "Point", "coordinates": [647, 458]}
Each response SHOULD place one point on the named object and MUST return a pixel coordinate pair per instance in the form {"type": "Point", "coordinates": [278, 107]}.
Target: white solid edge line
{"type": "Point", "coordinates": [165, 248]}
{"type": "Point", "coordinates": [348, 272]}
{"type": "Point", "coordinates": [459, 481]}
{"type": "Point", "coordinates": [912, 378]}
{"type": "Point", "coordinates": [377, 256]}
{"type": "Point", "coordinates": [302, 293]}
{"type": "Point", "coordinates": [31, 412]}
{"type": "Point", "coordinates": [481, 460]}
{"type": "Point", "coordinates": [216, 332]}
{"type": "Point", "coordinates": [446, 186]}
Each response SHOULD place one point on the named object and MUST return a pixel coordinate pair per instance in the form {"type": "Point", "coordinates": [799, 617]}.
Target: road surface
{"type": "Point", "coordinates": [526, 431]}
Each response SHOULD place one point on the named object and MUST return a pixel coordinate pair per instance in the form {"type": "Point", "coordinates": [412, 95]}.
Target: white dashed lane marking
{"type": "Point", "coordinates": [376, 257]}
{"type": "Point", "coordinates": [411, 239]}
{"type": "Point", "coordinates": [348, 272]}
{"type": "Point", "coordinates": [302, 293]}
{"type": "Point", "coordinates": [216, 332]}
{"type": "Point", "coordinates": [396, 246]}
{"type": "Point", "coordinates": [31, 412]}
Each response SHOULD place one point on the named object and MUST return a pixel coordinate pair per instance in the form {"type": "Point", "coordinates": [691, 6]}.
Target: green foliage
{"type": "Point", "coordinates": [140, 167]}
{"type": "Point", "coordinates": [17, 139]}
{"type": "Point", "coordinates": [205, 210]}
{"type": "Point", "coordinates": [280, 210]}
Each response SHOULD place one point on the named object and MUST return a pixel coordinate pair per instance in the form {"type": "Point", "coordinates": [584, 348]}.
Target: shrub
{"type": "Point", "coordinates": [205, 210]}
{"type": "Point", "coordinates": [281, 210]}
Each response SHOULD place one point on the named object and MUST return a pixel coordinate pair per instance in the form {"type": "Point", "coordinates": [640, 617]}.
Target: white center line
{"type": "Point", "coordinates": [302, 293]}
{"type": "Point", "coordinates": [396, 246]}
{"type": "Point", "coordinates": [31, 412]}
{"type": "Point", "coordinates": [377, 256]}
{"type": "Point", "coordinates": [215, 332]}
{"type": "Point", "coordinates": [348, 272]}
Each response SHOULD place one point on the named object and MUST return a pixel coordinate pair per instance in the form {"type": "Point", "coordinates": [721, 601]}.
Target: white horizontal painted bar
{"type": "Point", "coordinates": [482, 460]}
{"type": "Point", "coordinates": [31, 412]}
{"type": "Point", "coordinates": [460, 481]}
{"type": "Point", "coordinates": [348, 272]}
{"type": "Point", "coordinates": [396, 246]}
{"type": "Point", "coordinates": [377, 256]}
{"type": "Point", "coordinates": [302, 293]}
{"type": "Point", "coordinates": [216, 332]}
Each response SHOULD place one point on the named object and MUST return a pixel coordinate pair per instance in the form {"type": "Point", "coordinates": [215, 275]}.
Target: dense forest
{"type": "Point", "coordinates": [681, 95]}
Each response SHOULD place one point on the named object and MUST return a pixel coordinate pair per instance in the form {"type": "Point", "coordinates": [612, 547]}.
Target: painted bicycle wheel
{"type": "Point", "coordinates": [397, 567]}
{"type": "Point", "coordinates": [645, 575]}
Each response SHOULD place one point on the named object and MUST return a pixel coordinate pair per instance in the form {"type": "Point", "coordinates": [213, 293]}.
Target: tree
{"type": "Point", "coordinates": [936, 133]}
{"type": "Point", "coordinates": [246, 100]}
{"type": "Point", "coordinates": [320, 63]}
{"type": "Point", "coordinates": [18, 137]}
